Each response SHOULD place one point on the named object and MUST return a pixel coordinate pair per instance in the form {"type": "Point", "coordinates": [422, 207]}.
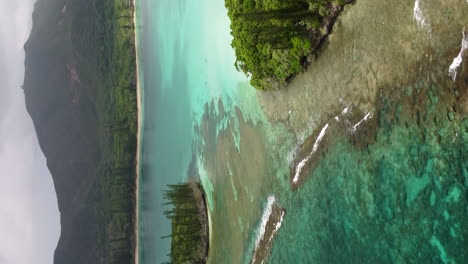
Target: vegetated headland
{"type": "Point", "coordinates": [274, 39]}
{"type": "Point", "coordinates": [189, 217]}
{"type": "Point", "coordinates": [81, 92]}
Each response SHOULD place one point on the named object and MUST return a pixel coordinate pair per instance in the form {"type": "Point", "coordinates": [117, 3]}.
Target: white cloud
{"type": "Point", "coordinates": [29, 218]}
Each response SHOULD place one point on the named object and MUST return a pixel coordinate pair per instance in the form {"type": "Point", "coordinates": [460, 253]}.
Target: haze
{"type": "Point", "coordinates": [29, 222]}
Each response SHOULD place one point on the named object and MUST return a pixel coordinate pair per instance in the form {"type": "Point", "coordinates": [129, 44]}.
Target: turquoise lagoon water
{"type": "Point", "coordinates": [394, 190]}
{"type": "Point", "coordinates": [186, 63]}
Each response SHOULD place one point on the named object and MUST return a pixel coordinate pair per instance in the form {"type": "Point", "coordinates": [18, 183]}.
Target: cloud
{"type": "Point", "coordinates": [16, 198]}
{"type": "Point", "coordinates": [2, 260]}
{"type": "Point", "coordinates": [29, 222]}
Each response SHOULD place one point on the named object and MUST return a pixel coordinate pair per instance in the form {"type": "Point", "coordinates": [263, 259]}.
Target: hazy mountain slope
{"type": "Point", "coordinates": [62, 86]}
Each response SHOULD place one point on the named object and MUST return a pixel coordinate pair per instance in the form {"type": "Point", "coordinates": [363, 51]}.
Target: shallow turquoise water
{"type": "Point", "coordinates": [395, 191]}
{"type": "Point", "coordinates": [402, 199]}
{"type": "Point", "coordinates": [187, 62]}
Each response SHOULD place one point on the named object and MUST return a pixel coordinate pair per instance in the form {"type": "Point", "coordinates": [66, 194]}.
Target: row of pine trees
{"type": "Point", "coordinates": [188, 223]}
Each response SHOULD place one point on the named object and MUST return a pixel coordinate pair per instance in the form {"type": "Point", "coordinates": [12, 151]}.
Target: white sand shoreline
{"type": "Point", "coordinates": [139, 110]}
{"type": "Point", "coordinates": [210, 229]}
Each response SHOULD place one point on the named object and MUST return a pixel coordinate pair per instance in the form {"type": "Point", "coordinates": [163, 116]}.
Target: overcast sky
{"type": "Point", "coordinates": [29, 217]}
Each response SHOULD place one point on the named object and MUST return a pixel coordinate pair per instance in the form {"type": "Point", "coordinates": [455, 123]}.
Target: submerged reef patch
{"type": "Point", "coordinates": [396, 190]}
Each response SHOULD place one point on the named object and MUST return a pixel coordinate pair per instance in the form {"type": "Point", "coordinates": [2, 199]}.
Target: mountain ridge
{"type": "Point", "coordinates": [64, 89]}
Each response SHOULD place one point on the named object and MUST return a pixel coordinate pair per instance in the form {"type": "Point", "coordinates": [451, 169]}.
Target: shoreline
{"type": "Point", "coordinates": [205, 218]}
{"type": "Point", "coordinates": [210, 229]}
{"type": "Point", "coordinates": [138, 154]}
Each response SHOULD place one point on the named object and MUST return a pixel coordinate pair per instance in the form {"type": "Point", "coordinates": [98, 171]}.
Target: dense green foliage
{"type": "Point", "coordinates": [272, 38]}
{"type": "Point", "coordinates": [103, 37]}
{"type": "Point", "coordinates": [189, 224]}
{"type": "Point", "coordinates": [80, 91]}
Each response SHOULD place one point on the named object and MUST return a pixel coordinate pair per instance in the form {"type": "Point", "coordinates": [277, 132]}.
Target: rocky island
{"type": "Point", "coordinates": [275, 40]}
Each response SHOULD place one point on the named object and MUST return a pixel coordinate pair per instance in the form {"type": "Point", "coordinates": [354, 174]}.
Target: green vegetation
{"type": "Point", "coordinates": [273, 38]}
{"type": "Point", "coordinates": [80, 90]}
{"type": "Point", "coordinates": [189, 223]}
{"type": "Point", "coordinates": [104, 50]}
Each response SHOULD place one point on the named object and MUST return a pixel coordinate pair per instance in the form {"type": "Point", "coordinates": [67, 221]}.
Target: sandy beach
{"type": "Point", "coordinates": [139, 107]}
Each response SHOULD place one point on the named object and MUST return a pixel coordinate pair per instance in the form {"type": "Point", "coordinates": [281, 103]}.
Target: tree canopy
{"type": "Point", "coordinates": [273, 38]}
{"type": "Point", "coordinates": [189, 223]}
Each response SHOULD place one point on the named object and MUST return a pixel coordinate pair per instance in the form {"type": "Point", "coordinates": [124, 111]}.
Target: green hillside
{"type": "Point", "coordinates": [80, 90]}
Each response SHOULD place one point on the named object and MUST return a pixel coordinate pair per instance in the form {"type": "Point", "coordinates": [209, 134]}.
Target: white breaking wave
{"type": "Point", "coordinates": [277, 226]}
{"type": "Point", "coordinates": [345, 111]}
{"type": "Point", "coordinates": [266, 215]}
{"type": "Point", "coordinates": [457, 61]}
{"type": "Point", "coordinates": [418, 14]}
{"type": "Point", "coordinates": [365, 118]}
{"type": "Point", "coordinates": [314, 149]}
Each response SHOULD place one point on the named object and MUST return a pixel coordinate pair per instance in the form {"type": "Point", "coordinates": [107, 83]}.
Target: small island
{"type": "Point", "coordinates": [189, 217]}
{"type": "Point", "coordinates": [274, 39]}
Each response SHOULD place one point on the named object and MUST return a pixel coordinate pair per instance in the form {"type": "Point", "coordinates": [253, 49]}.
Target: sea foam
{"type": "Point", "coordinates": [457, 61]}
{"type": "Point", "coordinates": [266, 215]}
{"type": "Point", "coordinates": [418, 14]}
{"type": "Point", "coordinates": [314, 149]}
{"type": "Point", "coordinates": [365, 118]}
